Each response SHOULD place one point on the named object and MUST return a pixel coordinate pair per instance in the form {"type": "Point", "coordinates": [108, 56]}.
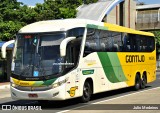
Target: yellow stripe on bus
{"type": "Point", "coordinates": [112, 27]}
{"type": "Point", "coordinates": [23, 83]}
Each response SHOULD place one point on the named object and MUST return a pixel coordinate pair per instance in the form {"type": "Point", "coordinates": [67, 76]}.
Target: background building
{"type": "Point", "coordinates": [120, 12]}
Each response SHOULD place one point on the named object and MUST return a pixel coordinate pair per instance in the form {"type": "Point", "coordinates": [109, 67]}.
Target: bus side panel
{"type": "Point", "coordinates": [113, 72]}
{"type": "Point", "coordinates": [71, 87]}
{"type": "Point", "coordinates": [117, 70]}
{"type": "Point", "coordinates": [152, 67]}
{"type": "Point", "coordinates": [89, 66]}
{"type": "Point", "coordinates": [133, 62]}
{"type": "Point", "coordinates": [109, 75]}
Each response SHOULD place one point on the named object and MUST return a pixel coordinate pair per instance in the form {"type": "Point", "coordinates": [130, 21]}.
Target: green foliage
{"type": "Point", "coordinates": [8, 29]}
{"type": "Point", "coordinates": [157, 35]}
{"type": "Point", "coordinates": [90, 1]}
{"type": "Point", "coordinates": [57, 9]}
{"type": "Point", "coordinates": [14, 15]}
{"type": "Point", "coordinates": [9, 21]}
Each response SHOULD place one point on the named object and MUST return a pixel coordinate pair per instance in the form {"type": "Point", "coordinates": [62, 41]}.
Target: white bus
{"type": "Point", "coordinates": [64, 59]}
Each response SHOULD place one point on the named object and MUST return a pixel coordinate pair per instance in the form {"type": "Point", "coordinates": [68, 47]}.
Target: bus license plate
{"type": "Point", "coordinates": [32, 95]}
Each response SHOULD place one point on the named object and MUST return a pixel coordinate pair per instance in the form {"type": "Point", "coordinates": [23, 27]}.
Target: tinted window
{"type": "Point", "coordinates": [92, 41]}
{"type": "Point", "coordinates": [76, 32]}
{"type": "Point", "coordinates": [138, 43]}
{"type": "Point", "coordinates": [109, 41]}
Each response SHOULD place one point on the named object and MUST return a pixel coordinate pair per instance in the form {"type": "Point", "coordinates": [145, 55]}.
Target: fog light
{"type": "Point", "coordinates": [55, 94]}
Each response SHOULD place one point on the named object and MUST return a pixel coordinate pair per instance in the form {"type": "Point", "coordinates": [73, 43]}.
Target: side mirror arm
{"type": "Point", "coordinates": [63, 45]}
{"type": "Point", "coordinates": [4, 46]}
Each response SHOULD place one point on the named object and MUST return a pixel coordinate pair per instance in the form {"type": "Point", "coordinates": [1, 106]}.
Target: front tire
{"type": "Point", "coordinates": [86, 92]}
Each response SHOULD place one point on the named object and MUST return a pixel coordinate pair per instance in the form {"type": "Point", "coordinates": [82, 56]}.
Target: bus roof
{"type": "Point", "coordinates": [65, 24]}
{"type": "Point", "coordinates": [53, 25]}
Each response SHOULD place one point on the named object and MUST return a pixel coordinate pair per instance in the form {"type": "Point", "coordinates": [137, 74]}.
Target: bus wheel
{"type": "Point", "coordinates": [143, 82]}
{"type": "Point", "coordinates": [137, 83]}
{"type": "Point", "coordinates": [86, 92]}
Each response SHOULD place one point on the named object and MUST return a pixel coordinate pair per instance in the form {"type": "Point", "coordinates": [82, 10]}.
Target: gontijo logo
{"type": "Point", "coordinates": [135, 58]}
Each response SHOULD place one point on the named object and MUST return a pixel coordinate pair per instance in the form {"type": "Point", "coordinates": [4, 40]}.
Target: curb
{"type": "Point", "coordinates": [5, 86]}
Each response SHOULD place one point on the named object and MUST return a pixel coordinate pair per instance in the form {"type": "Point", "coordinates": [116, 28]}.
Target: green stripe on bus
{"type": "Point", "coordinates": [92, 26]}
{"type": "Point", "coordinates": [96, 27]}
{"type": "Point", "coordinates": [49, 82]}
{"type": "Point", "coordinates": [111, 67]}
{"type": "Point", "coordinates": [117, 66]}
{"type": "Point", "coordinates": [38, 83]}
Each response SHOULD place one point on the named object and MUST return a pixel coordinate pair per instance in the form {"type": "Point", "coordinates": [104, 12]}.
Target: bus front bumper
{"type": "Point", "coordinates": [52, 94]}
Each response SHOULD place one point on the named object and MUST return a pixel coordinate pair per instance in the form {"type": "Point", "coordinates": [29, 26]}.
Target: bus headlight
{"type": "Point", "coordinates": [60, 83]}
{"type": "Point", "coordinates": [14, 85]}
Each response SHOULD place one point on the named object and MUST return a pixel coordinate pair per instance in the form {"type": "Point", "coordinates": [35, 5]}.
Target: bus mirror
{"type": "Point", "coordinates": [63, 45]}
{"type": "Point", "coordinates": [4, 46]}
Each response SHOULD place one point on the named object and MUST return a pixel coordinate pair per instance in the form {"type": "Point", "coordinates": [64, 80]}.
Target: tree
{"type": "Point", "coordinates": [15, 15]}
{"type": "Point", "coordinates": [57, 9]}
{"type": "Point", "coordinates": [8, 29]}
{"type": "Point", "coordinates": [9, 21]}
{"type": "Point", "coordinates": [157, 37]}
{"type": "Point", "coordinates": [89, 1]}
{"type": "Point", "coordinates": [27, 14]}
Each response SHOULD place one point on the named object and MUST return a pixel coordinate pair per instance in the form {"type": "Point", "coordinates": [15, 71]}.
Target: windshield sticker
{"type": "Point", "coordinates": [87, 72]}
{"type": "Point", "coordinates": [35, 73]}
{"type": "Point", "coordinates": [72, 91]}
{"type": "Point", "coordinates": [35, 41]}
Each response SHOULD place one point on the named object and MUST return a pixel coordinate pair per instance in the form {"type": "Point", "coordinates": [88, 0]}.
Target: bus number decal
{"type": "Point", "coordinates": [72, 91]}
{"type": "Point", "coordinates": [152, 58]}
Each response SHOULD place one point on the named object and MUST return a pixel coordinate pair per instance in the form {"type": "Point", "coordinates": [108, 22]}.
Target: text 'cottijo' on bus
{"type": "Point", "coordinates": [64, 59]}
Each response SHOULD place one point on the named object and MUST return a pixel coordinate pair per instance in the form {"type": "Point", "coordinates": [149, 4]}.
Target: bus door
{"type": "Point", "coordinates": [72, 58]}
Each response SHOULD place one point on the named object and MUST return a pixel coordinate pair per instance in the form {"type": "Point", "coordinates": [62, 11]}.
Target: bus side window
{"type": "Point", "coordinates": [92, 42]}
{"type": "Point", "coordinates": [109, 44]}
{"type": "Point", "coordinates": [144, 43]}
{"type": "Point", "coordinates": [126, 43]}
{"type": "Point", "coordinates": [106, 41]}
{"type": "Point", "coordinates": [150, 44]}
{"type": "Point", "coordinates": [117, 43]}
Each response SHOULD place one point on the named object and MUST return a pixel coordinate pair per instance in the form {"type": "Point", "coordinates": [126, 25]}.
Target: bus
{"type": "Point", "coordinates": [70, 58]}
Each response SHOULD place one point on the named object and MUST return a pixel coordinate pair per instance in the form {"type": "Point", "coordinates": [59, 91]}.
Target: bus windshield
{"type": "Point", "coordinates": [37, 55]}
